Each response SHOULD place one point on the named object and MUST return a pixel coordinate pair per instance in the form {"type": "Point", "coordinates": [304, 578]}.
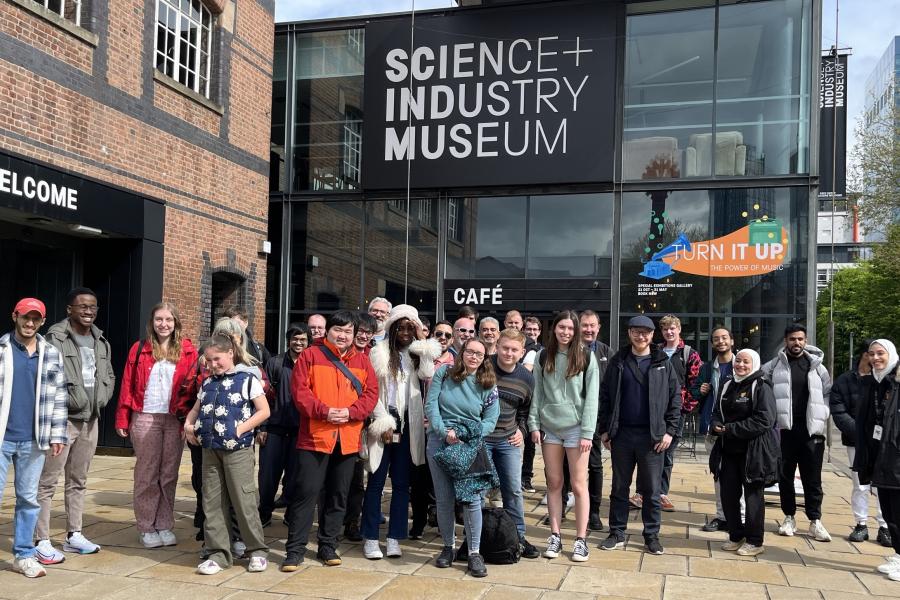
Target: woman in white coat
{"type": "Point", "coordinates": [403, 361]}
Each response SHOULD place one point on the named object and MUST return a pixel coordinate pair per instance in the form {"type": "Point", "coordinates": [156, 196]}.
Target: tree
{"type": "Point", "coordinates": [866, 301]}
{"type": "Point", "coordinates": [875, 169]}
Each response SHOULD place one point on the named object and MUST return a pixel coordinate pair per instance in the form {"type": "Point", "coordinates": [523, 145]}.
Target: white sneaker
{"type": "Point", "coordinates": [208, 567]}
{"type": "Point", "coordinates": [258, 564]}
{"type": "Point", "coordinates": [393, 548]}
{"type": "Point", "coordinates": [167, 537]}
{"type": "Point", "coordinates": [894, 575]}
{"type": "Point", "coordinates": [29, 567]}
{"type": "Point", "coordinates": [570, 502]}
{"type": "Point", "coordinates": [47, 554]}
{"type": "Point", "coordinates": [892, 564]}
{"type": "Point", "coordinates": [151, 540]}
{"type": "Point", "coordinates": [371, 550]}
{"type": "Point", "coordinates": [238, 549]}
{"type": "Point", "coordinates": [788, 526]}
{"type": "Point", "coordinates": [80, 544]}
{"type": "Point", "coordinates": [818, 531]}
{"type": "Point", "coordinates": [544, 500]}
{"type": "Point", "coordinates": [749, 549]}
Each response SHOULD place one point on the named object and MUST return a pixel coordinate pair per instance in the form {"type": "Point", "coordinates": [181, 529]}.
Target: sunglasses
{"type": "Point", "coordinates": [465, 330]}
{"type": "Point", "coordinates": [443, 335]}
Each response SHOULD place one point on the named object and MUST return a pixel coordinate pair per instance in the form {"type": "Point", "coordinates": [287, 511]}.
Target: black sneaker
{"type": "Point", "coordinates": [527, 486]}
{"type": "Point", "coordinates": [716, 524]}
{"type": "Point", "coordinates": [328, 556]}
{"type": "Point", "coordinates": [291, 562]}
{"type": "Point", "coordinates": [612, 542]}
{"type": "Point", "coordinates": [462, 555]}
{"type": "Point", "coordinates": [653, 546]}
{"type": "Point", "coordinates": [445, 558]}
{"type": "Point", "coordinates": [351, 532]}
{"type": "Point", "coordinates": [594, 522]}
{"type": "Point", "coordinates": [280, 502]}
{"type": "Point", "coordinates": [416, 531]}
{"type": "Point", "coordinates": [580, 552]}
{"type": "Point", "coordinates": [476, 565]}
{"type": "Point", "coordinates": [528, 550]}
{"type": "Point", "coordinates": [884, 537]}
{"type": "Point", "coordinates": [860, 533]}
{"type": "Point", "coordinates": [546, 520]}
{"type": "Point", "coordinates": [265, 521]}
{"type": "Point", "coordinates": [554, 546]}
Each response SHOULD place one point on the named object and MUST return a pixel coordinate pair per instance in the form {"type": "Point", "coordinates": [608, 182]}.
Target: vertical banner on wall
{"type": "Point", "coordinates": [833, 139]}
{"type": "Point", "coordinates": [491, 97]}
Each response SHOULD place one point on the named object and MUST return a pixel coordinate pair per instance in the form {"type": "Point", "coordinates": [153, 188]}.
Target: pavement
{"type": "Point", "coordinates": [693, 567]}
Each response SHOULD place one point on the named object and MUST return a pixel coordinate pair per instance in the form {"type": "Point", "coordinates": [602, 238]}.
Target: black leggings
{"type": "Point", "coordinates": [890, 510]}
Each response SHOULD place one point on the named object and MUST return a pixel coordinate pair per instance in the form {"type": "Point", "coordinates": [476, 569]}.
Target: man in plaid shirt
{"type": "Point", "coordinates": [32, 420]}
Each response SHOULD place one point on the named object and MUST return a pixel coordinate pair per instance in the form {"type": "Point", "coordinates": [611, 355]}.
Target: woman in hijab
{"type": "Point", "coordinates": [743, 419]}
{"type": "Point", "coordinates": [878, 442]}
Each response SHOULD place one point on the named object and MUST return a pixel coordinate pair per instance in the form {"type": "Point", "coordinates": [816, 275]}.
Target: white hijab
{"type": "Point", "coordinates": [754, 359]}
{"type": "Point", "coordinates": [892, 358]}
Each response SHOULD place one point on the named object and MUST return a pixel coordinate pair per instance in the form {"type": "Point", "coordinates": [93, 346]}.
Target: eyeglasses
{"type": "Point", "coordinates": [364, 332]}
{"type": "Point", "coordinates": [444, 335]}
{"type": "Point", "coordinates": [33, 320]}
{"type": "Point", "coordinates": [473, 354]}
{"type": "Point", "coordinates": [377, 312]}
{"type": "Point", "coordinates": [460, 330]}
{"type": "Point", "coordinates": [641, 333]}
{"type": "Point", "coordinates": [85, 307]}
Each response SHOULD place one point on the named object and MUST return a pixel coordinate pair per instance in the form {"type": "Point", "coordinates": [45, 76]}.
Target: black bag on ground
{"type": "Point", "coordinates": [499, 537]}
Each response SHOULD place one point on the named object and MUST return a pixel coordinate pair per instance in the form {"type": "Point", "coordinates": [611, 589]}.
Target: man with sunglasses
{"type": "Point", "coordinates": [463, 331]}
{"type": "Point", "coordinates": [443, 333]}
{"type": "Point", "coordinates": [86, 358]}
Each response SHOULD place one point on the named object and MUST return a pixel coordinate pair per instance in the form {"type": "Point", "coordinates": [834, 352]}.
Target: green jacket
{"type": "Point", "coordinates": [81, 407]}
{"type": "Point", "coordinates": [559, 403]}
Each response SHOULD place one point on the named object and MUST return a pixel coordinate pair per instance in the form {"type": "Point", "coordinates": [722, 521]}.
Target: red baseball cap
{"type": "Point", "coordinates": [27, 305]}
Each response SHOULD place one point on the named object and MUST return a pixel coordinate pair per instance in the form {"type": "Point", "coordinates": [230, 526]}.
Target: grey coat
{"type": "Point", "coordinates": [81, 406]}
{"type": "Point", "coordinates": [778, 371]}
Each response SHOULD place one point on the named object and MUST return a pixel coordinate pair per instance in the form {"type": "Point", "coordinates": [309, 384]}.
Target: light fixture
{"type": "Point", "coordinates": [86, 229]}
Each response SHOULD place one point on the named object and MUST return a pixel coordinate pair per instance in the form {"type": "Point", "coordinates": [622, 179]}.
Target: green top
{"type": "Point", "coordinates": [558, 403]}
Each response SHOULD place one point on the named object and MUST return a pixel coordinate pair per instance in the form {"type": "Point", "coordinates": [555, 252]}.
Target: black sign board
{"type": "Point", "coordinates": [833, 120]}
{"type": "Point", "coordinates": [48, 192]}
{"type": "Point", "coordinates": [511, 96]}
{"type": "Point", "coordinates": [532, 295]}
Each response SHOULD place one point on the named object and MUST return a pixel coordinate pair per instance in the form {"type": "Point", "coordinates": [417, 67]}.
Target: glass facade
{"type": "Point", "coordinates": [715, 100]}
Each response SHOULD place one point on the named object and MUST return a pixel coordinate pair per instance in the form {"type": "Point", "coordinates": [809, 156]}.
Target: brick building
{"type": "Point", "coordinates": [134, 157]}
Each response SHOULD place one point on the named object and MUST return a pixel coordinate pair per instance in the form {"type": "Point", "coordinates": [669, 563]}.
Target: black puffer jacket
{"type": "Point", "coordinates": [878, 462]}
{"type": "Point", "coordinates": [747, 410]}
{"type": "Point", "coordinates": [846, 393]}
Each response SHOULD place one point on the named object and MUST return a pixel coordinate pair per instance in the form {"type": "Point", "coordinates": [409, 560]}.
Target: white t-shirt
{"type": "Point", "coordinates": [86, 345]}
{"type": "Point", "coordinates": [529, 358]}
{"type": "Point", "coordinates": [159, 388]}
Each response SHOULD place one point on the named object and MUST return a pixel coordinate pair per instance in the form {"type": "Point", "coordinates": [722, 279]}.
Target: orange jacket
{"type": "Point", "coordinates": [317, 386]}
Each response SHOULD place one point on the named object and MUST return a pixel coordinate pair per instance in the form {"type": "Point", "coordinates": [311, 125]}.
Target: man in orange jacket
{"type": "Point", "coordinates": [335, 389]}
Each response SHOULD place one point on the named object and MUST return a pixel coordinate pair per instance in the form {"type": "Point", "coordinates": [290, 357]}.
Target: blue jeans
{"type": "Point", "coordinates": [508, 462]}
{"type": "Point", "coordinates": [445, 498]}
{"type": "Point", "coordinates": [28, 461]}
{"type": "Point", "coordinates": [397, 461]}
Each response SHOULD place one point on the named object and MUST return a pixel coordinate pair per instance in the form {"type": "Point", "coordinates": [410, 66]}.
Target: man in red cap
{"type": "Point", "coordinates": [32, 420]}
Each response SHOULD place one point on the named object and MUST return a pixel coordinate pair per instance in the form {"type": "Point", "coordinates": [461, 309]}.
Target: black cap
{"type": "Point", "coordinates": [641, 322]}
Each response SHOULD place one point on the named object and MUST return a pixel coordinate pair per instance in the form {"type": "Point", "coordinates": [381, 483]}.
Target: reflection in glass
{"type": "Point", "coordinates": [570, 236]}
{"type": "Point", "coordinates": [277, 166]}
{"type": "Point", "coordinates": [489, 239]}
{"type": "Point", "coordinates": [329, 110]}
{"type": "Point", "coordinates": [668, 94]}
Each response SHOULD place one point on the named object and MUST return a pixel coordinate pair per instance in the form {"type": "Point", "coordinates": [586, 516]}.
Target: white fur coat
{"type": "Point", "coordinates": [409, 399]}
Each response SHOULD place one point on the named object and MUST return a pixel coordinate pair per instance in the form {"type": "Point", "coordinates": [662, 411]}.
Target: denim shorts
{"type": "Point", "coordinates": [567, 438]}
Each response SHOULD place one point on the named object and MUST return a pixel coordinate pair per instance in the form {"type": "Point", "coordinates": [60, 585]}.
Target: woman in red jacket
{"type": "Point", "coordinates": [157, 390]}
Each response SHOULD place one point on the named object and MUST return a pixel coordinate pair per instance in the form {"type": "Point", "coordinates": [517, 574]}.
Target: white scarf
{"type": "Point", "coordinates": [888, 345]}
{"type": "Point", "coordinates": [754, 359]}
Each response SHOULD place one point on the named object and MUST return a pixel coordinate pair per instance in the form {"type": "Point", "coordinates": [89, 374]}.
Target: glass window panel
{"type": "Point", "coordinates": [329, 95]}
{"type": "Point", "coordinates": [490, 238]}
{"type": "Point", "coordinates": [694, 331]}
{"type": "Point", "coordinates": [668, 94]}
{"type": "Point", "coordinates": [762, 117]}
{"type": "Point", "coordinates": [570, 236]}
{"type": "Point", "coordinates": [277, 157]}
{"type": "Point", "coordinates": [386, 257]}
{"type": "Point", "coordinates": [327, 254]}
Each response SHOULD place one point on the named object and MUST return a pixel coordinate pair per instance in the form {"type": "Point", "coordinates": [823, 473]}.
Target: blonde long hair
{"type": "Point", "coordinates": [172, 352]}
{"type": "Point", "coordinates": [230, 327]}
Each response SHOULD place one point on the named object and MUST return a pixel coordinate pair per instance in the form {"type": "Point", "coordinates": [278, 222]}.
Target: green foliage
{"type": "Point", "coordinates": [875, 170]}
{"type": "Point", "coordinates": [866, 301]}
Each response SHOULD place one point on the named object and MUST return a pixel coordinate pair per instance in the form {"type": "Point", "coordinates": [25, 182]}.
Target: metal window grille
{"type": "Point", "coordinates": [184, 43]}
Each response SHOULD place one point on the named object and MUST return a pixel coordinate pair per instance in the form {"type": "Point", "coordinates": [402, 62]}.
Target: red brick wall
{"type": "Point", "coordinates": [216, 207]}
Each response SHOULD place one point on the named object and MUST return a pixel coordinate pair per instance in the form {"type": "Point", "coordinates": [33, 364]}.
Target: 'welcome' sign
{"type": "Point", "coordinates": [491, 97]}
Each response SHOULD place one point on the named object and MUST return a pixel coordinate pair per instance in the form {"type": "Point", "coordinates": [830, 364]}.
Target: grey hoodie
{"type": "Point", "coordinates": [81, 407]}
{"type": "Point", "coordinates": [778, 371]}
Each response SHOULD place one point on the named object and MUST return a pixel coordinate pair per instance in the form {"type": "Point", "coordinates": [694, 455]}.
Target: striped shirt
{"type": "Point", "coordinates": [516, 390]}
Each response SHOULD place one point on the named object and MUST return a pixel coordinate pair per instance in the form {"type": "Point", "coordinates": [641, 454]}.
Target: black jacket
{"type": "Point", "coordinates": [665, 395]}
{"type": "Point", "coordinates": [284, 413]}
{"type": "Point", "coordinates": [878, 462]}
{"type": "Point", "coordinates": [257, 350]}
{"type": "Point", "coordinates": [747, 410]}
{"type": "Point", "coordinates": [601, 353]}
{"type": "Point", "coordinates": [845, 397]}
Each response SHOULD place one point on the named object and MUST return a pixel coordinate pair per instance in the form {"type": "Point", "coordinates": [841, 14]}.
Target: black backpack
{"type": "Point", "coordinates": [499, 537]}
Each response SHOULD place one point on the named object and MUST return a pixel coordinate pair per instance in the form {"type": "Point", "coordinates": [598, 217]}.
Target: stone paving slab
{"type": "Point", "coordinates": [693, 566]}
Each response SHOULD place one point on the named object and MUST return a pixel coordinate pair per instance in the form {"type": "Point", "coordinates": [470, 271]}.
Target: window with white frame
{"type": "Point", "coordinates": [453, 219]}
{"type": "Point", "coordinates": [352, 151]}
{"type": "Point", "coordinates": [184, 42]}
{"type": "Point", "coordinates": [70, 10]}
{"type": "Point", "coordinates": [425, 212]}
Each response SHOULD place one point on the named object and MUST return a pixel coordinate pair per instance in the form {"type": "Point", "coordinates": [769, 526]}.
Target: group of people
{"type": "Point", "coordinates": [452, 413]}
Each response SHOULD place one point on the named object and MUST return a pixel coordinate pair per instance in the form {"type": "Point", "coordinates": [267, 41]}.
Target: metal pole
{"type": "Point", "coordinates": [834, 55]}
{"type": "Point", "coordinates": [412, 30]}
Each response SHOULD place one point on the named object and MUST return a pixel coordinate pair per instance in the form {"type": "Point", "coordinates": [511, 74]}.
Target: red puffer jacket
{"type": "Point", "coordinates": [137, 373]}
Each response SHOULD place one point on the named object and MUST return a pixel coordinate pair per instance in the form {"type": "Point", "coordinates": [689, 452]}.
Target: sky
{"type": "Point", "coordinates": [866, 26]}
